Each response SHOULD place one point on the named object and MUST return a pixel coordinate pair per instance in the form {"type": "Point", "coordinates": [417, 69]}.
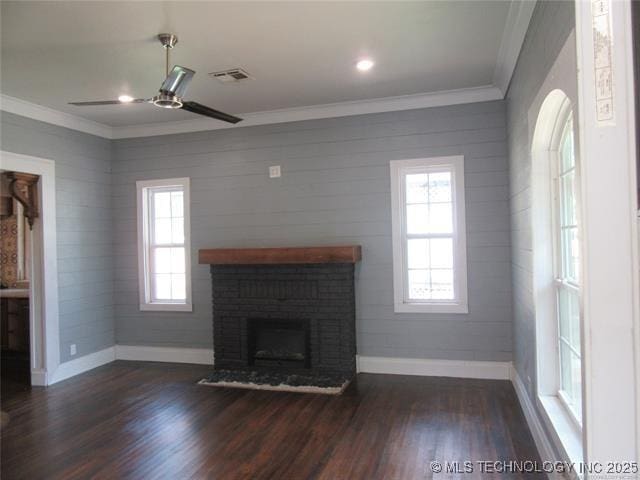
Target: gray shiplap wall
{"type": "Point", "coordinates": [550, 26]}
{"type": "Point", "coordinates": [84, 225]}
{"type": "Point", "coordinates": [334, 190]}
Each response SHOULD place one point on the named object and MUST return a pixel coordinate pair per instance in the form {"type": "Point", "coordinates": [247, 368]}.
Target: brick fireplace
{"type": "Point", "coordinates": [286, 310]}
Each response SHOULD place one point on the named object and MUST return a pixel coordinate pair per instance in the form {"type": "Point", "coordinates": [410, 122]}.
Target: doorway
{"type": "Point", "coordinates": [40, 302]}
{"type": "Point", "coordinates": [18, 212]}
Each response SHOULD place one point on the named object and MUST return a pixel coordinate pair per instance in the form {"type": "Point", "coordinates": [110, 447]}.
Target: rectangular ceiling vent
{"type": "Point", "coordinates": [233, 75]}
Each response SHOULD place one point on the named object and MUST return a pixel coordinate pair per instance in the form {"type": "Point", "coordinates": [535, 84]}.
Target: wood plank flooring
{"type": "Point", "coordinates": [138, 420]}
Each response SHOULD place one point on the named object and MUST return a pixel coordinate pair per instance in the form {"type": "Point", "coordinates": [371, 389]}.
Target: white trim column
{"type": "Point", "coordinates": [607, 148]}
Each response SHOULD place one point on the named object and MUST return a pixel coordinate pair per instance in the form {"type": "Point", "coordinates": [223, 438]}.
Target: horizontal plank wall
{"type": "Point", "coordinates": [84, 226]}
{"type": "Point", "coordinates": [334, 190]}
{"type": "Point", "coordinates": [551, 25]}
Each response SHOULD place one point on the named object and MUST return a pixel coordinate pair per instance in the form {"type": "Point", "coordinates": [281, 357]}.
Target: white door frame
{"type": "Point", "coordinates": [43, 296]}
{"type": "Point", "coordinates": [610, 246]}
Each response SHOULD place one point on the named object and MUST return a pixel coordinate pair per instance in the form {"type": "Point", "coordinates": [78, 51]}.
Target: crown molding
{"type": "Point", "coordinates": [515, 30]}
{"type": "Point", "coordinates": [55, 117]}
{"type": "Point", "coordinates": [313, 112]}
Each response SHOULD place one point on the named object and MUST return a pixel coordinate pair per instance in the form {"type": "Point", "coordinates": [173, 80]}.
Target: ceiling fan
{"type": "Point", "coordinates": [171, 91]}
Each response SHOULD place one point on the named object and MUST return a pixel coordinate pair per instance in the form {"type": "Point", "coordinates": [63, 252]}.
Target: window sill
{"type": "Point", "coordinates": [430, 308]}
{"type": "Point", "coordinates": [166, 307]}
{"type": "Point", "coordinates": [567, 436]}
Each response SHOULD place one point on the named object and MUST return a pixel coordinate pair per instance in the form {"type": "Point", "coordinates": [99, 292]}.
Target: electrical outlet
{"type": "Point", "coordinates": [72, 349]}
{"type": "Point", "coordinates": [274, 171]}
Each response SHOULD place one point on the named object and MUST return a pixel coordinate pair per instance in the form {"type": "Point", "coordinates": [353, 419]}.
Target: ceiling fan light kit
{"type": "Point", "coordinates": [172, 91]}
{"type": "Point", "coordinates": [166, 101]}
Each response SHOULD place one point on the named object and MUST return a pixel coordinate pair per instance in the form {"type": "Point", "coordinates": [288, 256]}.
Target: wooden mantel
{"type": "Point", "coordinates": [286, 255]}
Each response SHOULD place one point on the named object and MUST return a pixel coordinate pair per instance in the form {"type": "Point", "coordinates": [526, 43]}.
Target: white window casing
{"type": "Point", "coordinates": [555, 218]}
{"type": "Point", "coordinates": [429, 235]}
{"type": "Point", "coordinates": [566, 262]}
{"type": "Point", "coordinates": [164, 244]}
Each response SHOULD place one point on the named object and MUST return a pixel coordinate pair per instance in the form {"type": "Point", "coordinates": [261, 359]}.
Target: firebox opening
{"type": "Point", "coordinates": [279, 343]}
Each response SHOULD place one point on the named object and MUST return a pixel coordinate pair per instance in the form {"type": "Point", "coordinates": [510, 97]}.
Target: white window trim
{"type": "Point", "coordinates": [398, 169]}
{"type": "Point", "coordinates": [548, 112]}
{"type": "Point", "coordinates": [549, 127]}
{"type": "Point", "coordinates": [564, 114]}
{"type": "Point", "coordinates": [143, 248]}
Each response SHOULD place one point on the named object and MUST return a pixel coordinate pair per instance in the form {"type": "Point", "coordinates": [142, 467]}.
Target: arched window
{"type": "Point", "coordinates": [566, 268]}
{"type": "Point", "coordinates": [556, 256]}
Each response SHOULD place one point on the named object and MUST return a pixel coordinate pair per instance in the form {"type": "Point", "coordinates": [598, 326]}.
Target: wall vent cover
{"type": "Point", "coordinates": [231, 76]}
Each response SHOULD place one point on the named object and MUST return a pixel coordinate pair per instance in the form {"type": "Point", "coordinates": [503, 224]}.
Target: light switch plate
{"type": "Point", "coordinates": [274, 171]}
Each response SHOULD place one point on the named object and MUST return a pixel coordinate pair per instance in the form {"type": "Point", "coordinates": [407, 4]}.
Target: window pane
{"type": "Point", "coordinates": [177, 230]}
{"type": "Point", "coordinates": [442, 284]}
{"type": "Point", "coordinates": [441, 252]}
{"type": "Point", "coordinates": [417, 188]}
{"type": "Point", "coordinates": [430, 218]}
{"type": "Point", "coordinates": [576, 387]}
{"type": "Point", "coordinates": [575, 255]}
{"type": "Point", "coordinates": [162, 231]}
{"type": "Point", "coordinates": [177, 209]}
{"type": "Point", "coordinates": [571, 379]}
{"type": "Point", "coordinates": [162, 286]}
{"type": "Point", "coordinates": [417, 219]}
{"type": "Point", "coordinates": [162, 204]}
{"type": "Point", "coordinates": [440, 187]}
{"type": "Point", "coordinates": [177, 260]}
{"type": "Point", "coordinates": [570, 251]}
{"type": "Point", "coordinates": [441, 218]}
{"type": "Point", "coordinates": [162, 260]}
{"type": "Point", "coordinates": [567, 155]}
{"type": "Point", "coordinates": [566, 382]}
{"type": "Point", "coordinates": [178, 287]}
{"type": "Point", "coordinates": [574, 321]}
{"type": "Point", "coordinates": [569, 317]}
{"type": "Point", "coordinates": [419, 285]}
{"type": "Point", "coordinates": [564, 314]}
{"type": "Point", "coordinates": [418, 253]}
{"type": "Point", "coordinates": [567, 198]}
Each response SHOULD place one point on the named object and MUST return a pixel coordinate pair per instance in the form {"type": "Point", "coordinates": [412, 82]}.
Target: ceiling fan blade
{"type": "Point", "coordinates": [108, 102]}
{"type": "Point", "coordinates": [177, 81]}
{"type": "Point", "coordinates": [195, 107]}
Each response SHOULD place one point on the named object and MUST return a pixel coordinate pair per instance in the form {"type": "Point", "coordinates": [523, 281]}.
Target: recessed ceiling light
{"type": "Point", "coordinates": [365, 64]}
{"type": "Point", "coordinates": [125, 98]}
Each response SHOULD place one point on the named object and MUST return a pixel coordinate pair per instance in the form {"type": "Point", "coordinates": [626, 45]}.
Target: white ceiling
{"type": "Point", "coordinates": [300, 53]}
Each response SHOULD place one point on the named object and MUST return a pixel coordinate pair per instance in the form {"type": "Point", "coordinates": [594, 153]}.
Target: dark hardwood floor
{"type": "Point", "coordinates": [147, 420]}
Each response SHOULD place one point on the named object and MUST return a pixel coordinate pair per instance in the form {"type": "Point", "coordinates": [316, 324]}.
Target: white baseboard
{"type": "Point", "coordinates": [39, 378]}
{"type": "Point", "coordinates": [203, 356]}
{"type": "Point", "coordinates": [80, 365]}
{"type": "Point", "coordinates": [533, 420]}
{"type": "Point", "coordinates": [435, 368]}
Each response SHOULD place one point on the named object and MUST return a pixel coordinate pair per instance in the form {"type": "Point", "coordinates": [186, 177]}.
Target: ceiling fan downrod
{"type": "Point", "coordinates": [167, 99]}
{"type": "Point", "coordinates": [168, 41]}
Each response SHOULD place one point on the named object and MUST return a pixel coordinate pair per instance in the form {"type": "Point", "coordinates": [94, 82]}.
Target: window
{"type": "Point", "coordinates": [163, 244]}
{"type": "Point", "coordinates": [556, 229]}
{"type": "Point", "coordinates": [429, 238]}
{"type": "Point", "coordinates": [566, 269]}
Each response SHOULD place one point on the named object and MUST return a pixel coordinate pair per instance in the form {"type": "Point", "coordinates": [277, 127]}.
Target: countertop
{"type": "Point", "coordinates": [14, 293]}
